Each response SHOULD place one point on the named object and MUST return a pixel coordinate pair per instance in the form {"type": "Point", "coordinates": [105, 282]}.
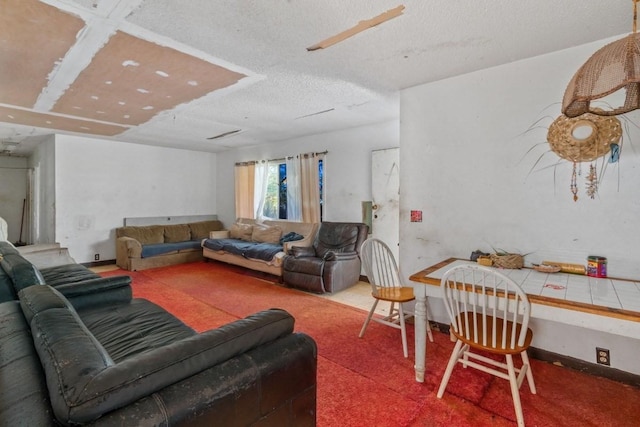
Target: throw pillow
{"type": "Point", "coordinates": [241, 231]}
{"type": "Point", "coordinates": [265, 234]}
{"type": "Point", "coordinates": [201, 229]}
{"type": "Point", "coordinates": [177, 233]}
{"type": "Point", "coordinates": [146, 235]}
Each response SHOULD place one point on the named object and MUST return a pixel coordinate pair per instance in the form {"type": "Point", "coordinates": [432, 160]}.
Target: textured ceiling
{"type": "Point", "coordinates": [178, 74]}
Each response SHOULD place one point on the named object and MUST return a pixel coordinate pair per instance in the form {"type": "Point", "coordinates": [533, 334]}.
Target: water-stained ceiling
{"type": "Point", "coordinates": [213, 75]}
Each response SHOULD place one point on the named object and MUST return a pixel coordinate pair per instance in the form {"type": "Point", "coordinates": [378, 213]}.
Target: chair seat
{"type": "Point", "coordinates": [473, 343]}
{"type": "Point", "coordinates": [396, 294]}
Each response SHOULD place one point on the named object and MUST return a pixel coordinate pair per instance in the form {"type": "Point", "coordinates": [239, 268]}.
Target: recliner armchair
{"type": "Point", "coordinates": [332, 263]}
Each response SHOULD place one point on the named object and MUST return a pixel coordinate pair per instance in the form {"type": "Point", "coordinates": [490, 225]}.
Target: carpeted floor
{"type": "Point", "coordinates": [367, 382]}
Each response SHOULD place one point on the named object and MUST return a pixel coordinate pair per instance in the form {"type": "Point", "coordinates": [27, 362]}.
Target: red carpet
{"type": "Point", "coordinates": [367, 382]}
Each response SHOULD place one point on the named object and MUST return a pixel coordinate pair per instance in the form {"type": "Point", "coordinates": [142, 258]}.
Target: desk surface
{"type": "Point", "coordinates": [619, 298]}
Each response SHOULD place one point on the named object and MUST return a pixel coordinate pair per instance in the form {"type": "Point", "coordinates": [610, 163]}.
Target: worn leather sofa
{"type": "Point", "coordinates": [332, 263]}
{"type": "Point", "coordinates": [151, 246]}
{"type": "Point", "coordinates": [96, 356]}
{"type": "Point", "coordinates": [18, 272]}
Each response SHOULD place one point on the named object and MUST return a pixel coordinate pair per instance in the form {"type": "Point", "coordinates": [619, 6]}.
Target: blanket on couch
{"type": "Point", "coordinates": [251, 250]}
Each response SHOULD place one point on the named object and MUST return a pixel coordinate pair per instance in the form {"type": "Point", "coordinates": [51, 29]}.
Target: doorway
{"type": "Point", "coordinates": [385, 192]}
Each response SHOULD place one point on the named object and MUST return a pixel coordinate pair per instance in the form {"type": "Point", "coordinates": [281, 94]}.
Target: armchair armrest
{"type": "Point", "coordinates": [307, 241]}
{"type": "Point", "coordinates": [302, 251]}
{"type": "Point", "coordinates": [340, 256]}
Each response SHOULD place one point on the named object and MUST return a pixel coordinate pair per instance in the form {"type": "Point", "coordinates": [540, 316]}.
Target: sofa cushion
{"type": "Point", "coordinates": [125, 330]}
{"type": "Point", "coordinates": [71, 358]}
{"type": "Point", "coordinates": [176, 233]}
{"type": "Point", "coordinates": [145, 235]}
{"type": "Point", "coordinates": [7, 293]}
{"type": "Point", "coordinates": [168, 248]}
{"type": "Point", "coordinates": [200, 230]}
{"type": "Point", "coordinates": [266, 234]}
{"type": "Point", "coordinates": [24, 398]}
{"type": "Point", "coordinates": [241, 231]}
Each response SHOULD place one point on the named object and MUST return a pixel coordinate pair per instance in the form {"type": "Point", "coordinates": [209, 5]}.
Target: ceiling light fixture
{"type": "Point", "coordinates": [614, 67]}
{"type": "Point", "coordinates": [361, 26]}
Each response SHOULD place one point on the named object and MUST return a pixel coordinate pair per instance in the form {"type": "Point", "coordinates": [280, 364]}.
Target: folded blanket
{"type": "Point", "coordinates": [253, 250]}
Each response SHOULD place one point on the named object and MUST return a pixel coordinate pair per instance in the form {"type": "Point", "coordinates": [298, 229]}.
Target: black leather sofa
{"type": "Point", "coordinates": [331, 264]}
{"type": "Point", "coordinates": [96, 356]}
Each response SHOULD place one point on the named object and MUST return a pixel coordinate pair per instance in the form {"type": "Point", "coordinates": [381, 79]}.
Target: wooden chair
{"type": "Point", "coordinates": [386, 285]}
{"type": "Point", "coordinates": [488, 312]}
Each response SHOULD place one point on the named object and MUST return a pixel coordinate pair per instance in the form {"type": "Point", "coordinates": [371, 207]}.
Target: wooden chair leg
{"type": "Point", "coordinates": [515, 390]}
{"type": "Point", "coordinates": [525, 361]}
{"type": "Point", "coordinates": [452, 363]}
{"type": "Point", "coordinates": [366, 322]}
{"type": "Point", "coordinates": [403, 331]}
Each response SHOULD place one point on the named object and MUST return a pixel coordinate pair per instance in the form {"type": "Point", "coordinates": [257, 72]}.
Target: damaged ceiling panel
{"type": "Point", "coordinates": [70, 124]}
{"type": "Point", "coordinates": [130, 80]}
{"type": "Point", "coordinates": [71, 69]}
{"type": "Point", "coordinates": [34, 37]}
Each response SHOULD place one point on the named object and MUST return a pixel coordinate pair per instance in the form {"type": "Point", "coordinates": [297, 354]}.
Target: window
{"type": "Point", "coordinates": [275, 204]}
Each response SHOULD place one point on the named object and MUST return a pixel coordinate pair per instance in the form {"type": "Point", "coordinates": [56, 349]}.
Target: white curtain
{"type": "Point", "coordinates": [245, 189]}
{"type": "Point", "coordinates": [294, 197]}
{"type": "Point", "coordinates": [310, 187]}
{"type": "Point", "coordinates": [260, 189]}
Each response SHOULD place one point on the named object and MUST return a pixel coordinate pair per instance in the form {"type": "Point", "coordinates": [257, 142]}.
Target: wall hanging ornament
{"type": "Point", "coordinates": [585, 138]}
{"type": "Point", "coordinates": [613, 68]}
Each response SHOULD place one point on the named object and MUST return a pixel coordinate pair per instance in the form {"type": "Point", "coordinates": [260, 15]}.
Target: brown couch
{"type": "Point", "coordinates": [249, 230]}
{"type": "Point", "coordinates": [150, 246]}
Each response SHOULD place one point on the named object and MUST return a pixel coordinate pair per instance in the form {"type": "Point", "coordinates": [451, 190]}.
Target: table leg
{"type": "Point", "coordinates": [420, 314]}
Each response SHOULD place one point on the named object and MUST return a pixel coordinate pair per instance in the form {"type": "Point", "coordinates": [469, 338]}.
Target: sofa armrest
{"type": "Point", "coordinates": [128, 247]}
{"type": "Point", "coordinates": [302, 251]}
{"type": "Point", "coordinates": [98, 291]}
{"type": "Point", "coordinates": [219, 234]}
{"type": "Point", "coordinates": [84, 383]}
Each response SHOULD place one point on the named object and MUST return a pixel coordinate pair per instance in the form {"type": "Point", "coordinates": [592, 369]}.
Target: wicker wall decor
{"type": "Point", "coordinates": [603, 137]}
{"type": "Point", "coordinates": [614, 67]}
{"type": "Point", "coordinates": [605, 130]}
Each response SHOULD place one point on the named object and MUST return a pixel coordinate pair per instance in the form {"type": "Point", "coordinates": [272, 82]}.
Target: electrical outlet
{"type": "Point", "coordinates": [96, 257]}
{"type": "Point", "coordinates": [602, 356]}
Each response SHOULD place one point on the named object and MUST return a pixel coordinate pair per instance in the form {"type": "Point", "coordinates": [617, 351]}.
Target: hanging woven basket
{"type": "Point", "coordinates": [564, 140]}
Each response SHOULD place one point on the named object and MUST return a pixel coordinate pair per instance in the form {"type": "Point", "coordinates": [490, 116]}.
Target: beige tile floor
{"type": "Point", "coordinates": [358, 296]}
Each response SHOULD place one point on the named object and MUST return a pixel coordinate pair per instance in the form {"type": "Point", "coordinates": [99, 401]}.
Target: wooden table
{"type": "Point", "coordinates": [572, 299]}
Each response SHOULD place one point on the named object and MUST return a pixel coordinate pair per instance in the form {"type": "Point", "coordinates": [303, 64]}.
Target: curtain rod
{"type": "Point", "coordinates": [253, 162]}
{"type": "Point", "coordinates": [291, 157]}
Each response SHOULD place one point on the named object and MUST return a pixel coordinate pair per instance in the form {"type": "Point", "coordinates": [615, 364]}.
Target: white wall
{"type": "Point", "coordinates": [99, 183]}
{"type": "Point", "coordinates": [13, 191]}
{"type": "Point", "coordinates": [466, 161]}
{"type": "Point", "coordinates": [347, 168]}
{"type": "Point", "coordinates": [43, 218]}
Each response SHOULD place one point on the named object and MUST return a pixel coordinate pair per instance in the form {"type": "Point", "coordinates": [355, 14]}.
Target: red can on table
{"type": "Point", "coordinates": [596, 266]}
